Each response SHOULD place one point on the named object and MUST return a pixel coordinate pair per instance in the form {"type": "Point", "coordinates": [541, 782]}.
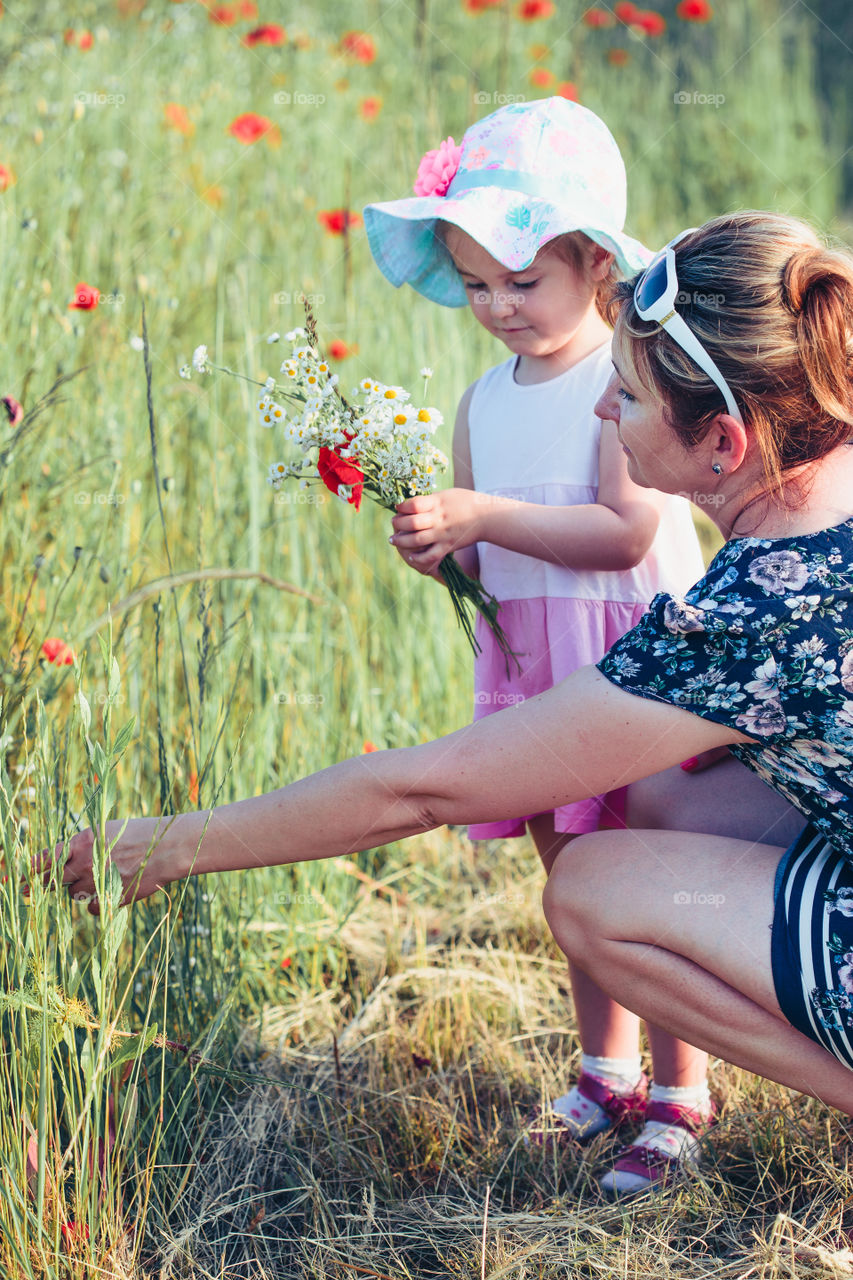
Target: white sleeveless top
{"type": "Point", "coordinates": [540, 444]}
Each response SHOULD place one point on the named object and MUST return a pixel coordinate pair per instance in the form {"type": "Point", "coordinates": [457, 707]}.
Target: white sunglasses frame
{"type": "Point", "coordinates": [662, 312]}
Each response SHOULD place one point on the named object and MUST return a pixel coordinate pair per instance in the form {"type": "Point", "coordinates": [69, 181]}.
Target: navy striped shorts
{"type": "Point", "coordinates": [812, 942]}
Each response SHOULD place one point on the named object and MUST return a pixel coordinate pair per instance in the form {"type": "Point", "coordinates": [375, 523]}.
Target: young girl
{"type": "Point", "coordinates": [523, 222]}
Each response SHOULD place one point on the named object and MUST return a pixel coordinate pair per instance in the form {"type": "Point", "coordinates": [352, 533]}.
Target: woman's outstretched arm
{"type": "Point", "coordinates": [581, 738]}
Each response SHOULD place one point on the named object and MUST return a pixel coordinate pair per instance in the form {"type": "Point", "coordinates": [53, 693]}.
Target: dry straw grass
{"type": "Point", "coordinates": [399, 1113]}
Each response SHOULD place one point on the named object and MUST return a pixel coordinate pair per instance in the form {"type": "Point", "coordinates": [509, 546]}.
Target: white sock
{"type": "Point", "coordinates": [584, 1118]}
{"type": "Point", "coordinates": [670, 1139]}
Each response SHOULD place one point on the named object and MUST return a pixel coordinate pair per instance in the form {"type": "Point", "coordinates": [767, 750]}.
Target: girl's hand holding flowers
{"type": "Point", "coordinates": [435, 525]}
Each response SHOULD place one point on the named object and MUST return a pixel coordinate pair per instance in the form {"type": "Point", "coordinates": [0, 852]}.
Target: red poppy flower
{"type": "Point", "coordinates": [626, 12]}
{"type": "Point", "coordinates": [369, 108]}
{"type": "Point", "coordinates": [650, 23]}
{"type": "Point", "coordinates": [369, 746]}
{"type": "Point", "coordinates": [336, 471]}
{"type": "Point", "coordinates": [69, 35]}
{"type": "Point", "coordinates": [85, 298]}
{"type": "Point", "coordinates": [567, 90]}
{"type": "Point", "coordinates": [177, 118]}
{"type": "Point", "coordinates": [359, 46]}
{"type": "Point", "coordinates": [85, 40]}
{"type": "Point", "coordinates": [286, 962]}
{"type": "Point", "coordinates": [338, 349]}
{"type": "Point", "coordinates": [479, 6]}
{"type": "Point", "coordinates": [695, 11]}
{"type": "Point", "coordinates": [57, 652]}
{"type": "Point", "coordinates": [597, 18]}
{"type": "Point", "coordinates": [271, 33]}
{"type": "Point", "coordinates": [223, 14]}
{"type": "Point", "coordinates": [618, 57]}
{"type": "Point", "coordinates": [74, 1233]}
{"type": "Point", "coordinates": [542, 78]}
{"type": "Point", "coordinates": [7, 177]}
{"type": "Point", "coordinates": [13, 409]}
{"type": "Point", "coordinates": [337, 220]}
{"type": "Point", "coordinates": [532, 10]}
{"type": "Point", "coordinates": [248, 9]}
{"type": "Point", "coordinates": [249, 127]}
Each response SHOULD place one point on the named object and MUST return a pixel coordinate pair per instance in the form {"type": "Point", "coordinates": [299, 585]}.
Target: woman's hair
{"type": "Point", "coordinates": [773, 307]}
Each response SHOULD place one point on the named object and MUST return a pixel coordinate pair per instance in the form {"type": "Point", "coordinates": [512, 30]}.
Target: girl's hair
{"type": "Point", "coordinates": [573, 247]}
{"type": "Point", "coordinates": [773, 307]}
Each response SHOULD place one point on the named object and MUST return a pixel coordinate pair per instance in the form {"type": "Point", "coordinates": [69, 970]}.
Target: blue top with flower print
{"type": "Point", "coordinates": [764, 643]}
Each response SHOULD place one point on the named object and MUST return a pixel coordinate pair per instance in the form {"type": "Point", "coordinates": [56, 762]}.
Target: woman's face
{"type": "Point", "coordinates": [656, 457]}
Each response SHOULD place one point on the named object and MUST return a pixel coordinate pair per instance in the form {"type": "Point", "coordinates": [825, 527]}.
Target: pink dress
{"type": "Point", "coordinates": [541, 444]}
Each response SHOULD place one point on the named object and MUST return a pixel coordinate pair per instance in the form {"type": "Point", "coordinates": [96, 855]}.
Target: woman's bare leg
{"type": "Point", "coordinates": [676, 927]}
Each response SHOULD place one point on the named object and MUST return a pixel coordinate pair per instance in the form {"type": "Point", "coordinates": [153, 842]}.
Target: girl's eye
{"type": "Point", "coordinates": [625, 395]}
{"type": "Point", "coordinates": [526, 284]}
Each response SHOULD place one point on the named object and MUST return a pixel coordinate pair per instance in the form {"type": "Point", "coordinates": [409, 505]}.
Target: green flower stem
{"type": "Point", "coordinates": [467, 593]}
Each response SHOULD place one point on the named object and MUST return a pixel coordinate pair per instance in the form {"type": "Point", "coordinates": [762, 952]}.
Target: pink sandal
{"type": "Point", "coordinates": [656, 1169]}
{"type": "Point", "coordinates": [620, 1109]}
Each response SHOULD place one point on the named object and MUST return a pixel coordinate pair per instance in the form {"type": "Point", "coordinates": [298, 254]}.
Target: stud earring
{"type": "Point", "coordinates": [717, 469]}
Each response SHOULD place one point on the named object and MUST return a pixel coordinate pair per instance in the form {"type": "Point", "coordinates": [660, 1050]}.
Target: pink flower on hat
{"type": "Point", "coordinates": [437, 169]}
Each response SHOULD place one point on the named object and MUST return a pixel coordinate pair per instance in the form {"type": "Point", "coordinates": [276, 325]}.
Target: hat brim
{"type": "Point", "coordinates": [509, 225]}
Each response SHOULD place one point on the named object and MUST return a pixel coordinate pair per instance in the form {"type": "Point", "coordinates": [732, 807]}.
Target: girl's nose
{"type": "Point", "coordinates": [502, 303]}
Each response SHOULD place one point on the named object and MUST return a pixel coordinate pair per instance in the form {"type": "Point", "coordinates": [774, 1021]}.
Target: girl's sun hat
{"type": "Point", "coordinates": [525, 174]}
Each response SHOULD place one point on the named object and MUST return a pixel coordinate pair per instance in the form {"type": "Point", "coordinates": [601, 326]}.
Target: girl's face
{"type": "Point", "coordinates": [535, 312]}
{"type": "Point", "coordinates": [656, 457]}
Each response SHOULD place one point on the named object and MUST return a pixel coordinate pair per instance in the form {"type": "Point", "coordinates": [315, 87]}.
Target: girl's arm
{"type": "Point", "coordinates": [581, 738]}
{"type": "Point", "coordinates": [463, 481]}
{"type": "Point", "coordinates": [613, 533]}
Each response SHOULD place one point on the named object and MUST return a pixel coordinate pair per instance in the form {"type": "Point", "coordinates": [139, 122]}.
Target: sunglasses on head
{"type": "Point", "coordinates": [654, 299]}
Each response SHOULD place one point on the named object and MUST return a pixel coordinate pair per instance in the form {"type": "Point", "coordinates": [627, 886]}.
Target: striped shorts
{"type": "Point", "coordinates": [812, 942]}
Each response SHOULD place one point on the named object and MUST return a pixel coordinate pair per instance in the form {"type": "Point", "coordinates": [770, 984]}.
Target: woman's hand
{"type": "Point", "coordinates": [141, 850]}
{"type": "Point", "coordinates": [434, 525]}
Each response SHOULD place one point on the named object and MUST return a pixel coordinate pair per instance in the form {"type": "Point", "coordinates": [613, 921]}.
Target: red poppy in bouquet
{"type": "Point", "coordinates": [250, 128]}
{"type": "Point", "coordinates": [694, 11]}
{"type": "Point", "coordinates": [271, 33]}
{"type": "Point", "coordinates": [86, 297]}
{"type": "Point", "coordinates": [373, 442]}
{"type": "Point", "coordinates": [337, 221]}
{"type": "Point", "coordinates": [358, 46]}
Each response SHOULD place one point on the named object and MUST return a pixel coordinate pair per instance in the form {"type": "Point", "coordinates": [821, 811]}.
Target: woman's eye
{"type": "Point", "coordinates": [625, 395]}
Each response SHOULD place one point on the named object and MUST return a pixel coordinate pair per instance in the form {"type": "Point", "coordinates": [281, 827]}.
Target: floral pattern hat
{"type": "Point", "coordinates": [523, 175]}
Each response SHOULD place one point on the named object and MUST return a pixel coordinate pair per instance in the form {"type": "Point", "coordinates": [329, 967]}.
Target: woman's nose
{"type": "Point", "coordinates": [607, 407]}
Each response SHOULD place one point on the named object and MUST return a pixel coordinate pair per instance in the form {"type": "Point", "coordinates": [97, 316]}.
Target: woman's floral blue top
{"type": "Point", "coordinates": [764, 642]}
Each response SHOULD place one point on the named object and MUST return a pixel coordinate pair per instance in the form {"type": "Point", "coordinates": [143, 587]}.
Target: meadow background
{"type": "Point", "coordinates": [322, 1071]}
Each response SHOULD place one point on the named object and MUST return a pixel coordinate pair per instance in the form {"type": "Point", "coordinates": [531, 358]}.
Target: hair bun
{"type": "Point", "coordinates": [804, 270]}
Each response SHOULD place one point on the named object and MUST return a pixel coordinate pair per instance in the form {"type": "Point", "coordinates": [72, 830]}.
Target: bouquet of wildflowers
{"type": "Point", "coordinates": [376, 443]}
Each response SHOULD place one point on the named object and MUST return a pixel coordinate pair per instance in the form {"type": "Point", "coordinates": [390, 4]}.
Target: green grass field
{"type": "Point", "coordinates": [324, 1071]}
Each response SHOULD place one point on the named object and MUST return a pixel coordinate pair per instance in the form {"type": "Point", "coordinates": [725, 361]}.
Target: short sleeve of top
{"type": "Point", "coordinates": [763, 643]}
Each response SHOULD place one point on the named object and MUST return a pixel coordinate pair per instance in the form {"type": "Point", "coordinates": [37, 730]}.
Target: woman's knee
{"type": "Point", "coordinates": [572, 892]}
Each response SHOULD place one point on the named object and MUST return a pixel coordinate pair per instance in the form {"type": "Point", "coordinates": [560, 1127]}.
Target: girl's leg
{"type": "Point", "coordinates": [609, 1034]}
{"type": "Point", "coordinates": [676, 926]}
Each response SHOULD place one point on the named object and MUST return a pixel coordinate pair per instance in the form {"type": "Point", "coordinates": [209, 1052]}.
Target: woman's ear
{"type": "Point", "coordinates": [728, 442]}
